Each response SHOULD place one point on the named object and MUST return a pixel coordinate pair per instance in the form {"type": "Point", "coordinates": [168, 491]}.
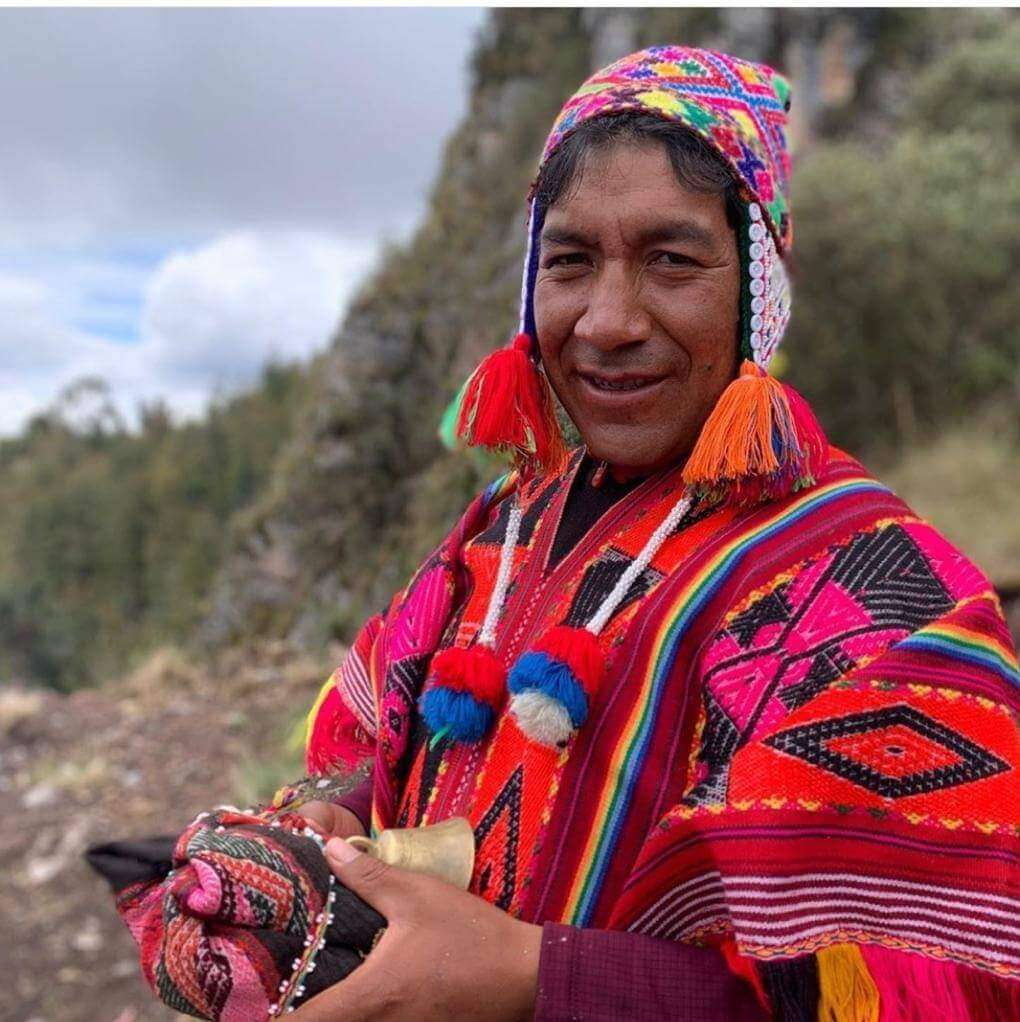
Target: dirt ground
{"type": "Point", "coordinates": [137, 758]}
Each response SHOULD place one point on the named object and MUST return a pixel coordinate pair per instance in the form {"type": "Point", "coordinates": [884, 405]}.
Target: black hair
{"type": "Point", "coordinates": [696, 164]}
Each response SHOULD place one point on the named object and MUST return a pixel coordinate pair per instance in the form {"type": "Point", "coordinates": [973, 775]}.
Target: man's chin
{"type": "Point", "coordinates": [631, 449]}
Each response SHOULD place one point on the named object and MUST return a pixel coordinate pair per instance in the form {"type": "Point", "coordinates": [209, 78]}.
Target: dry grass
{"type": "Point", "coordinates": [967, 483]}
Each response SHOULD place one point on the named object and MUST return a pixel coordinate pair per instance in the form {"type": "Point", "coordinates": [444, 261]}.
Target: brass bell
{"type": "Point", "coordinates": [445, 850]}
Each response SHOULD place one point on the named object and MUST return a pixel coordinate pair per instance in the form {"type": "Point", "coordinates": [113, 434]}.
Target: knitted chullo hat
{"type": "Point", "coordinates": [761, 441]}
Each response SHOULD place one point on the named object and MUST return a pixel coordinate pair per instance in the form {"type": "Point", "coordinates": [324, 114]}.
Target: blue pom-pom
{"type": "Point", "coordinates": [459, 714]}
{"type": "Point", "coordinates": [535, 670]}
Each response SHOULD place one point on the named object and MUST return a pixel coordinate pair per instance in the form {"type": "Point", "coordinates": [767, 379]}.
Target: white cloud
{"type": "Point", "coordinates": [221, 312]}
{"type": "Point", "coordinates": [211, 318]}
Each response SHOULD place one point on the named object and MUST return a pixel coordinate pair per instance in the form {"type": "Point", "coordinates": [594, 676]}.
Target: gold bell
{"type": "Point", "coordinates": [445, 850]}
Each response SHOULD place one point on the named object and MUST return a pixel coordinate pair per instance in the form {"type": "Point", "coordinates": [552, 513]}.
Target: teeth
{"type": "Point", "coordinates": [618, 385]}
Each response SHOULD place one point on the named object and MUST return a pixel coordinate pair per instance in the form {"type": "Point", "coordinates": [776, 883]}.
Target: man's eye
{"type": "Point", "coordinates": [672, 259]}
{"type": "Point", "coordinates": [567, 259]}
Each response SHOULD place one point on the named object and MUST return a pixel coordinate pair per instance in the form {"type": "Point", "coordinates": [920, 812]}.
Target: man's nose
{"type": "Point", "coordinates": [613, 316]}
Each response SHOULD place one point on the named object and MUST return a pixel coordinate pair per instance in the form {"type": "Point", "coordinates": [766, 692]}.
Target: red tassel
{"type": "Point", "coordinates": [579, 650]}
{"type": "Point", "coordinates": [746, 968]}
{"type": "Point", "coordinates": [508, 407]}
{"type": "Point", "coordinates": [990, 998]}
{"type": "Point", "coordinates": [476, 670]}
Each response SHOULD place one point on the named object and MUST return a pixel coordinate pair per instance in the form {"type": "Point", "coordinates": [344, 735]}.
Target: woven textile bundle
{"type": "Point", "coordinates": [244, 921]}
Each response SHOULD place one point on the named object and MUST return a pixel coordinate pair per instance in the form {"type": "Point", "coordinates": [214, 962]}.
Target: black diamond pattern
{"type": "Point", "coordinates": [826, 667]}
{"type": "Point", "coordinates": [598, 583]}
{"type": "Point", "coordinates": [771, 609]}
{"type": "Point", "coordinates": [891, 577]}
{"type": "Point", "coordinates": [809, 742]}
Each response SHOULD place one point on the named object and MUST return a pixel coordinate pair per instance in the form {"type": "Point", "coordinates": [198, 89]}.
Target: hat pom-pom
{"type": "Point", "coordinates": [761, 442]}
{"type": "Point", "coordinates": [553, 683]}
{"type": "Point", "coordinates": [466, 687]}
{"type": "Point", "coordinates": [507, 406]}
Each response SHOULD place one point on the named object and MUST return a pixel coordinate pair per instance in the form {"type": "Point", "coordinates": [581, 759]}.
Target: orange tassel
{"type": "Point", "coordinates": [754, 445]}
{"type": "Point", "coordinates": [508, 407]}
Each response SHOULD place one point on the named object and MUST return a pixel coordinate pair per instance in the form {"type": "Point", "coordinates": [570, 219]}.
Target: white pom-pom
{"type": "Point", "coordinates": [541, 718]}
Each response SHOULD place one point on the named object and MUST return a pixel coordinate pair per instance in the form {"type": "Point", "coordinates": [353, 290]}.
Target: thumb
{"type": "Point", "coordinates": [381, 885]}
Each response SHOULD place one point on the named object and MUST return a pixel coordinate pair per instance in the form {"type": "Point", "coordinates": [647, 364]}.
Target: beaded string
{"type": "Point", "coordinates": [476, 700]}
{"type": "Point", "coordinates": [487, 634]}
{"type": "Point", "coordinates": [304, 965]}
{"type": "Point", "coordinates": [608, 606]}
{"type": "Point", "coordinates": [553, 684]}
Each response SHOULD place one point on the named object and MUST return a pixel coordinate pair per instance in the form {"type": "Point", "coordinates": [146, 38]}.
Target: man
{"type": "Point", "coordinates": [734, 728]}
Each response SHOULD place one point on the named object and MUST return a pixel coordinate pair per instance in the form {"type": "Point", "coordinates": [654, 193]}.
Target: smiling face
{"type": "Point", "coordinates": [637, 306]}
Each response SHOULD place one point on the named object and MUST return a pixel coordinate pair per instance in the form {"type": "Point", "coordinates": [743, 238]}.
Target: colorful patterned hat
{"type": "Point", "coordinates": [739, 108]}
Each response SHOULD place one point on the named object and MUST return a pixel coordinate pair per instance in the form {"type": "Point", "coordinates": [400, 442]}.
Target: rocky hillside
{"type": "Point", "coordinates": [364, 487]}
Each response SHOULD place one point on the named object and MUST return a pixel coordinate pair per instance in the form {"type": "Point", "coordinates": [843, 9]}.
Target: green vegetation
{"type": "Point", "coordinates": [299, 507]}
{"type": "Point", "coordinates": [906, 310]}
{"type": "Point", "coordinates": [109, 539]}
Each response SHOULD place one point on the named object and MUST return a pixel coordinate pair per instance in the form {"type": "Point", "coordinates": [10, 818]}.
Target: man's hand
{"type": "Point", "coordinates": [445, 955]}
{"type": "Point", "coordinates": [336, 821]}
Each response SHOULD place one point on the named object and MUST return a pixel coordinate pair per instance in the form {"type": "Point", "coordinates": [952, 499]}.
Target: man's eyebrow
{"type": "Point", "coordinates": [565, 236]}
{"type": "Point", "coordinates": [677, 231]}
{"type": "Point", "coordinates": [682, 230]}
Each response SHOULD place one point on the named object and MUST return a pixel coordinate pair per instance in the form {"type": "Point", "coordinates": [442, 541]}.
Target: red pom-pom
{"type": "Point", "coordinates": [508, 407]}
{"type": "Point", "coordinates": [476, 670]}
{"type": "Point", "coordinates": [579, 649]}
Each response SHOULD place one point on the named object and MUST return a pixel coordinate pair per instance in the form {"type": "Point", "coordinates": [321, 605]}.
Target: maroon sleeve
{"type": "Point", "coordinates": [359, 801]}
{"type": "Point", "coordinates": [606, 975]}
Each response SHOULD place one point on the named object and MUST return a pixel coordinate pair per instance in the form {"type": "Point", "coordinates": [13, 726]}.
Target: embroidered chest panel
{"type": "Point", "coordinates": [507, 785]}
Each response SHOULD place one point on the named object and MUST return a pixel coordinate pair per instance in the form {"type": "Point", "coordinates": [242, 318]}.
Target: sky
{"type": "Point", "coordinates": [187, 193]}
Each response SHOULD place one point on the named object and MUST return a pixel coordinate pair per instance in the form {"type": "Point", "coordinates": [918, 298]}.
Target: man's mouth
{"type": "Point", "coordinates": [612, 384]}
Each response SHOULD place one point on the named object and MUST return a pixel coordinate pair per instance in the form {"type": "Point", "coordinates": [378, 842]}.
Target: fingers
{"type": "Point", "coordinates": [382, 886]}
{"type": "Point", "coordinates": [320, 813]}
{"type": "Point", "coordinates": [347, 823]}
{"type": "Point", "coordinates": [336, 821]}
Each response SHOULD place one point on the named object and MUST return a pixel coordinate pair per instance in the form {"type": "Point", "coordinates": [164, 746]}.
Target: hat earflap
{"type": "Point", "coordinates": [761, 440]}
{"type": "Point", "coordinates": [507, 405]}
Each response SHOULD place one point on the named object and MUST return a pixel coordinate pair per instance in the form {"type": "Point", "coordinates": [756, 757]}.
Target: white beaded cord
{"type": "Point", "coordinates": [638, 565]}
{"type": "Point", "coordinates": [293, 987]}
{"type": "Point", "coordinates": [770, 290]}
{"type": "Point", "coordinates": [487, 634]}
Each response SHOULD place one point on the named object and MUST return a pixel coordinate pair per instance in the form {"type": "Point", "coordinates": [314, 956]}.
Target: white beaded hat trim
{"type": "Point", "coordinates": [769, 284]}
